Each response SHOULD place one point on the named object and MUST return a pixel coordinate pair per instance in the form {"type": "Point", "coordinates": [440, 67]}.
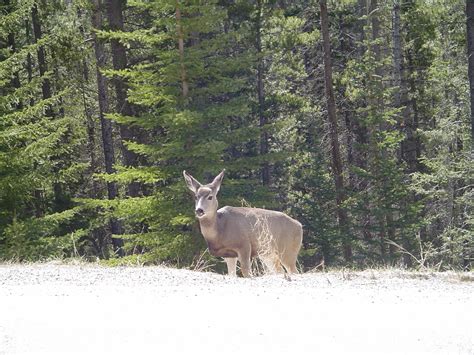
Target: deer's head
{"type": "Point", "coordinates": [205, 195]}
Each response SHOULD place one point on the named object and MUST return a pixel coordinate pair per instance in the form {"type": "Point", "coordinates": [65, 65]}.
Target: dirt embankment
{"type": "Point", "coordinates": [87, 309]}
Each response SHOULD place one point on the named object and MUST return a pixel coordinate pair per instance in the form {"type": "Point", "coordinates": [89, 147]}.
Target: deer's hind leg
{"type": "Point", "coordinates": [273, 264]}
{"type": "Point", "coordinates": [289, 261]}
{"type": "Point", "coordinates": [290, 266]}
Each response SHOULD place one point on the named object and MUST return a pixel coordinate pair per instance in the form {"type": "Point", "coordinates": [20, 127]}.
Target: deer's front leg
{"type": "Point", "coordinates": [231, 266]}
{"type": "Point", "coordinates": [244, 259]}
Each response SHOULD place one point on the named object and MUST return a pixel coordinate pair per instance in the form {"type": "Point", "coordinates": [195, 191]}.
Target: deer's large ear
{"type": "Point", "coordinates": [191, 182]}
{"type": "Point", "coordinates": [216, 183]}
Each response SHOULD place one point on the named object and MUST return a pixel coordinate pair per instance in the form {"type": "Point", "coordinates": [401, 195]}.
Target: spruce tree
{"type": "Point", "coordinates": [40, 129]}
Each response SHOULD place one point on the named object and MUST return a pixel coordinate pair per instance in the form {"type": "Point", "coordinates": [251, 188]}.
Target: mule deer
{"type": "Point", "coordinates": [241, 233]}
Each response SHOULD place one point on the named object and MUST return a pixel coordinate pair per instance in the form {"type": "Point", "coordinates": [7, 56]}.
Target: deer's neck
{"type": "Point", "coordinates": [209, 227]}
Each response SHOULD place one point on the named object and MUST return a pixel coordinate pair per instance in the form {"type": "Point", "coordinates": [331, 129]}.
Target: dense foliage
{"type": "Point", "coordinates": [104, 103]}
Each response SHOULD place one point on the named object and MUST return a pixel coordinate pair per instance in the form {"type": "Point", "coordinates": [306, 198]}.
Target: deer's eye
{"type": "Point", "coordinates": [209, 198]}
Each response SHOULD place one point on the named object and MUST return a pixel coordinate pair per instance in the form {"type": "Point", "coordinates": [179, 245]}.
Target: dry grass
{"type": "Point", "coordinates": [426, 252]}
{"type": "Point", "coordinates": [202, 263]}
{"type": "Point", "coordinates": [267, 250]}
{"type": "Point", "coordinates": [267, 255]}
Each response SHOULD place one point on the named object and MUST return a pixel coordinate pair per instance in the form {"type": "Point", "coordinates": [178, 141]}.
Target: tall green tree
{"type": "Point", "coordinates": [334, 133]}
{"type": "Point", "coordinates": [40, 129]}
{"type": "Point", "coordinates": [368, 144]}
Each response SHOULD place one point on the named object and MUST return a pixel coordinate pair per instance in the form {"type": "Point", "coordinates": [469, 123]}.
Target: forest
{"type": "Point", "coordinates": [355, 117]}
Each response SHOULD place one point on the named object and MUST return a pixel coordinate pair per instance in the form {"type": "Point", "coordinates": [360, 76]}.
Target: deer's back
{"type": "Point", "coordinates": [250, 222]}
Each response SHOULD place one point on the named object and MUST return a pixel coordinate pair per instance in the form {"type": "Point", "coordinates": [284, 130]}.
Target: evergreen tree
{"type": "Point", "coordinates": [385, 196]}
{"type": "Point", "coordinates": [191, 90]}
{"type": "Point", "coordinates": [446, 180]}
{"type": "Point", "coordinates": [91, 165]}
{"type": "Point", "coordinates": [41, 128]}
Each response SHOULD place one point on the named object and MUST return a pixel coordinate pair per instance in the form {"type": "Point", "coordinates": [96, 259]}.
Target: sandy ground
{"type": "Point", "coordinates": [87, 309]}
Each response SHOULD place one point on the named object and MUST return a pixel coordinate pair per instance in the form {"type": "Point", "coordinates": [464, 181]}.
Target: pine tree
{"type": "Point", "coordinates": [445, 183]}
{"type": "Point", "coordinates": [337, 172]}
{"type": "Point", "coordinates": [189, 90]}
{"type": "Point", "coordinates": [386, 198]}
{"type": "Point", "coordinates": [40, 128]}
{"type": "Point", "coordinates": [91, 165]}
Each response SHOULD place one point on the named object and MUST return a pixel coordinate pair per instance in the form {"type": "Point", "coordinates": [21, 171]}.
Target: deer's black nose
{"type": "Point", "coordinates": [199, 212]}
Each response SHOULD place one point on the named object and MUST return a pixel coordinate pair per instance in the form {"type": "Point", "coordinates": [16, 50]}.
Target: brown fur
{"type": "Point", "coordinates": [244, 233]}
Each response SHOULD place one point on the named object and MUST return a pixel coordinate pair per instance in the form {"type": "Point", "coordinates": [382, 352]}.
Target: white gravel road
{"type": "Point", "coordinates": [89, 309]}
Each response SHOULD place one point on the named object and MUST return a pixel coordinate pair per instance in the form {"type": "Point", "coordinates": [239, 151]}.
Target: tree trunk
{"type": "Point", "coordinates": [98, 236]}
{"type": "Point", "coordinates": [46, 86]}
{"type": "Point", "coordinates": [397, 53]}
{"type": "Point", "coordinates": [15, 81]}
{"type": "Point", "coordinates": [401, 101]}
{"type": "Point", "coordinates": [400, 91]}
{"type": "Point", "coordinates": [29, 61]}
{"type": "Point", "coordinates": [333, 133]}
{"type": "Point", "coordinates": [361, 135]}
{"type": "Point", "coordinates": [59, 198]}
{"type": "Point", "coordinates": [470, 56]}
{"type": "Point", "coordinates": [411, 147]}
{"type": "Point", "coordinates": [106, 125]}
{"type": "Point", "coordinates": [90, 122]}
{"type": "Point", "coordinates": [38, 192]}
{"type": "Point", "coordinates": [184, 82]}
{"type": "Point", "coordinates": [346, 109]}
{"type": "Point", "coordinates": [261, 97]}
{"type": "Point", "coordinates": [378, 155]}
{"type": "Point", "coordinates": [91, 129]}
{"type": "Point", "coordinates": [119, 59]}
